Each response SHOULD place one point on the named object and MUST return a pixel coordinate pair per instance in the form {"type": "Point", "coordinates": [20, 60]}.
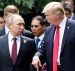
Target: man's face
{"type": "Point", "coordinates": [52, 18]}
{"type": "Point", "coordinates": [68, 13]}
{"type": "Point", "coordinates": [37, 28]}
{"type": "Point", "coordinates": [17, 27]}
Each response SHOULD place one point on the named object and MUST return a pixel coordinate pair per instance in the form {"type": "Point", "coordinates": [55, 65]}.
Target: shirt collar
{"type": "Point", "coordinates": [11, 37]}
{"type": "Point", "coordinates": [40, 37]}
{"type": "Point", "coordinates": [72, 15]}
{"type": "Point", "coordinates": [6, 30]}
{"type": "Point", "coordinates": [63, 23]}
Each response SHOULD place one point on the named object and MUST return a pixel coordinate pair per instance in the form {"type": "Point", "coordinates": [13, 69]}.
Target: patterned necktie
{"type": "Point", "coordinates": [37, 41]}
{"type": "Point", "coordinates": [14, 50]}
{"type": "Point", "coordinates": [55, 49]}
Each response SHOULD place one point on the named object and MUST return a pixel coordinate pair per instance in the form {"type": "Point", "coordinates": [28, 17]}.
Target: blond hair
{"type": "Point", "coordinates": [53, 7]}
{"type": "Point", "coordinates": [11, 9]}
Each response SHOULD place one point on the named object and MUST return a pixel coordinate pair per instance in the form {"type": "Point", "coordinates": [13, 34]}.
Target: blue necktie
{"type": "Point", "coordinates": [37, 41]}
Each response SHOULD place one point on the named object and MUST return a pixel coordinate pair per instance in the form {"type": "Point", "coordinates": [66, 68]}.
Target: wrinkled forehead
{"type": "Point", "coordinates": [16, 19]}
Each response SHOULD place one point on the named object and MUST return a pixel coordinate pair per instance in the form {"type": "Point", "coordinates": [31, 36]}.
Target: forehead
{"type": "Point", "coordinates": [35, 22]}
{"type": "Point", "coordinates": [47, 13]}
{"type": "Point", "coordinates": [18, 19]}
{"type": "Point", "coordinates": [1, 18]}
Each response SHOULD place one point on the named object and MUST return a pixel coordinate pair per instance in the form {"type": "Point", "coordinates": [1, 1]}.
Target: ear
{"type": "Point", "coordinates": [5, 18]}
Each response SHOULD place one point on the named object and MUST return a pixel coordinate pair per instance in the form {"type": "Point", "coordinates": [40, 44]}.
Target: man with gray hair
{"type": "Point", "coordinates": [58, 46]}
{"type": "Point", "coordinates": [8, 11]}
{"type": "Point", "coordinates": [16, 51]}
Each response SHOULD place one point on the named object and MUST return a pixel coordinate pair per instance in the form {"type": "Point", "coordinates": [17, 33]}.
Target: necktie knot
{"type": "Point", "coordinates": [37, 40]}
{"type": "Point", "coordinates": [58, 27]}
{"type": "Point", "coordinates": [14, 39]}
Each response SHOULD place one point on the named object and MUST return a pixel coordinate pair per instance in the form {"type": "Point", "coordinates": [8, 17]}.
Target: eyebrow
{"type": "Point", "coordinates": [34, 26]}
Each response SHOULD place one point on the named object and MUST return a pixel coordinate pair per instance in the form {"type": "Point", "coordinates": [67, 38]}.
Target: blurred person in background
{"type": "Point", "coordinates": [38, 26]}
{"type": "Point", "coordinates": [8, 11]}
{"type": "Point", "coordinates": [70, 6]}
{"type": "Point", "coordinates": [67, 9]}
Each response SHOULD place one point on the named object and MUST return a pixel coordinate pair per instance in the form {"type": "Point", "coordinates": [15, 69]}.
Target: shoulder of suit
{"type": "Point", "coordinates": [3, 37]}
{"type": "Point", "coordinates": [27, 31]}
{"type": "Point", "coordinates": [71, 22]}
{"type": "Point", "coordinates": [48, 29]}
{"type": "Point", "coordinates": [26, 38]}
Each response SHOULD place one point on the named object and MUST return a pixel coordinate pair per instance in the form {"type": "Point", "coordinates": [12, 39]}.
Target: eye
{"type": "Point", "coordinates": [34, 26]}
{"type": "Point", "coordinates": [21, 24]}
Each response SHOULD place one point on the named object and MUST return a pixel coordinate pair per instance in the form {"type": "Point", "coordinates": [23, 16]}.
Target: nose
{"type": "Point", "coordinates": [22, 27]}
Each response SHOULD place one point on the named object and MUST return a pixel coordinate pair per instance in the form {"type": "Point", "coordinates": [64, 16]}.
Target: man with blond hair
{"type": "Point", "coordinates": [58, 46]}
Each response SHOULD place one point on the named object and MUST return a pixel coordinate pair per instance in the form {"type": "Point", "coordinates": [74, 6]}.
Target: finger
{"type": "Point", "coordinates": [40, 64]}
{"type": "Point", "coordinates": [37, 69]}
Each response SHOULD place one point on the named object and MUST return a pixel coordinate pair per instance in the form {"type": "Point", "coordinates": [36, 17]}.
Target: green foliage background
{"type": "Point", "coordinates": [25, 6]}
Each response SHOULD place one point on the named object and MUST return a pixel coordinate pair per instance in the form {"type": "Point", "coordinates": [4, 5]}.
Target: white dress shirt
{"type": "Point", "coordinates": [72, 16]}
{"type": "Point", "coordinates": [62, 28]}
{"type": "Point", "coordinates": [6, 30]}
{"type": "Point", "coordinates": [10, 43]}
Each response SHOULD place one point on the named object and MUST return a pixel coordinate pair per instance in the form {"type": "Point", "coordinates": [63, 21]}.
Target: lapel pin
{"type": "Point", "coordinates": [68, 27]}
{"type": "Point", "coordinates": [40, 46]}
{"type": "Point", "coordinates": [24, 41]}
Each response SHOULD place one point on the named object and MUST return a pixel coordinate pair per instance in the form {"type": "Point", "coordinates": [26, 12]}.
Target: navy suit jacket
{"type": "Point", "coordinates": [24, 58]}
{"type": "Point", "coordinates": [73, 18]}
{"type": "Point", "coordinates": [2, 31]}
{"type": "Point", "coordinates": [67, 55]}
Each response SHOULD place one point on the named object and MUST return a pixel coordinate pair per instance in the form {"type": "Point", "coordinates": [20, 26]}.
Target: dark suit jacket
{"type": "Point", "coordinates": [24, 58]}
{"type": "Point", "coordinates": [2, 32]}
{"type": "Point", "coordinates": [73, 18]}
{"type": "Point", "coordinates": [67, 55]}
{"type": "Point", "coordinates": [26, 33]}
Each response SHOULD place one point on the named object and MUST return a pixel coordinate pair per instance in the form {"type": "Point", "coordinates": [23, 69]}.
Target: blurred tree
{"type": "Point", "coordinates": [25, 6]}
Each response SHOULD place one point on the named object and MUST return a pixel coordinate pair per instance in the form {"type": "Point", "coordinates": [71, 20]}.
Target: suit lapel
{"type": "Point", "coordinates": [21, 49]}
{"type": "Point", "coordinates": [66, 33]}
{"type": "Point", "coordinates": [21, 46]}
{"type": "Point", "coordinates": [50, 41]}
{"type": "Point", "coordinates": [2, 32]}
{"type": "Point", "coordinates": [6, 49]}
{"type": "Point", "coordinates": [52, 36]}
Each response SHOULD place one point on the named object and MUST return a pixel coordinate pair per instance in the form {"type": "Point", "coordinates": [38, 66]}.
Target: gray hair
{"type": "Point", "coordinates": [14, 18]}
